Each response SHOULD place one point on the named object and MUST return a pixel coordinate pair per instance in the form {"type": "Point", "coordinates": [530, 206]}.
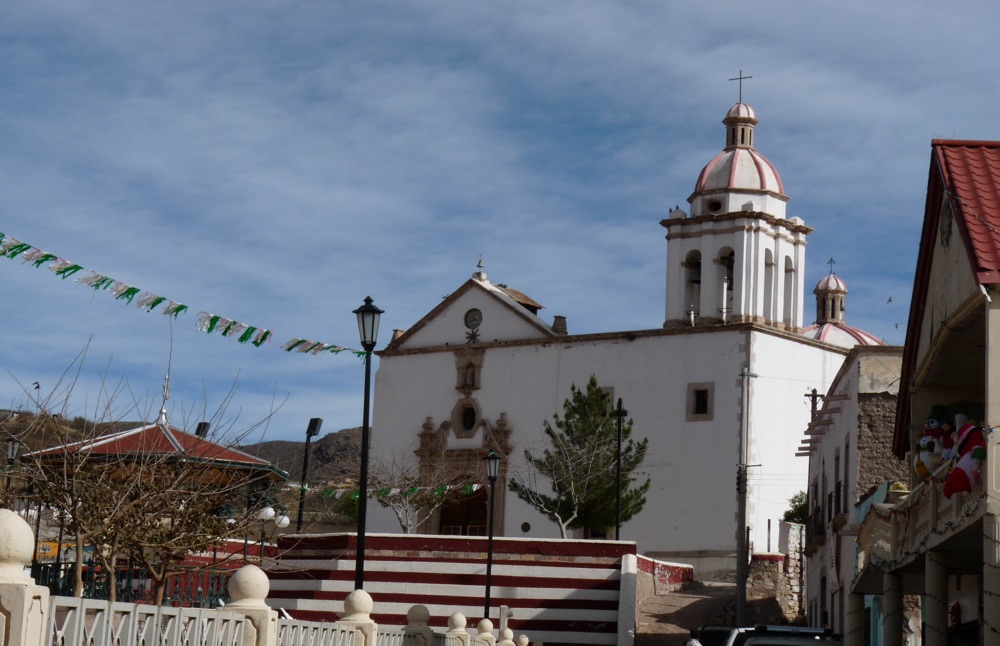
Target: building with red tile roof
{"type": "Point", "coordinates": [941, 538]}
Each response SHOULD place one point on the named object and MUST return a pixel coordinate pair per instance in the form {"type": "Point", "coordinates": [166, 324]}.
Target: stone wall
{"type": "Point", "coordinates": [876, 461]}
{"type": "Point", "coordinates": [769, 591]}
{"type": "Point", "coordinates": [775, 587]}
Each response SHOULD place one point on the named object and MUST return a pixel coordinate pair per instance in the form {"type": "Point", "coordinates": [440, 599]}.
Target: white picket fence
{"type": "Point", "coordinates": [29, 617]}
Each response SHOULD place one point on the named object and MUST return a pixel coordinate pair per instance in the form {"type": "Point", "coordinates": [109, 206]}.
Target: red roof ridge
{"type": "Point", "coordinates": [968, 143]}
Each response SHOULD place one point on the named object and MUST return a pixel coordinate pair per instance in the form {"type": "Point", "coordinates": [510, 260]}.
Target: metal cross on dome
{"type": "Point", "coordinates": [831, 262]}
{"type": "Point", "coordinates": [741, 78]}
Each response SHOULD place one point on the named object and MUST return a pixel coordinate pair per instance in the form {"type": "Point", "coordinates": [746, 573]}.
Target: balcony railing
{"type": "Point", "coordinates": [893, 534]}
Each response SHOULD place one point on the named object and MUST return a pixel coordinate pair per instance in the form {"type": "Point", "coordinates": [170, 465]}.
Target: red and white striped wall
{"type": "Point", "coordinates": [558, 592]}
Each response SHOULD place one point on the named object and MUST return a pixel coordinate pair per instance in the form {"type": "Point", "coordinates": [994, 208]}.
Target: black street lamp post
{"type": "Point", "coordinates": [313, 430]}
{"type": "Point", "coordinates": [493, 468]}
{"type": "Point", "coordinates": [368, 318]}
{"type": "Point", "coordinates": [620, 414]}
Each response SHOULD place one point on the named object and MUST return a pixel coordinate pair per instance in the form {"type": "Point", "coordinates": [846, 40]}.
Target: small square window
{"type": "Point", "coordinates": [700, 402]}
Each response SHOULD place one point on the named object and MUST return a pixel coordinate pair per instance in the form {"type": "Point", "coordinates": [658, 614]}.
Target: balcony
{"type": "Point", "coordinates": [897, 533]}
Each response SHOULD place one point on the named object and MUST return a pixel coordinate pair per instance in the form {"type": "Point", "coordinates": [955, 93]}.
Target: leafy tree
{"type": "Point", "coordinates": [579, 463]}
{"type": "Point", "coordinates": [798, 509]}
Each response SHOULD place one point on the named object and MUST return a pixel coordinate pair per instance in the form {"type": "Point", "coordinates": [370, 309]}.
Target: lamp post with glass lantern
{"type": "Point", "coordinates": [269, 513]}
{"type": "Point", "coordinates": [368, 319]}
{"type": "Point", "coordinates": [493, 469]}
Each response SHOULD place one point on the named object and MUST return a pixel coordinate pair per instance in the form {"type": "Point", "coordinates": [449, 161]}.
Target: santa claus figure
{"type": "Point", "coordinates": [970, 451]}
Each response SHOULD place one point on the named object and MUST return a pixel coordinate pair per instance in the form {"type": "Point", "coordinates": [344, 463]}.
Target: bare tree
{"type": "Point", "coordinates": [398, 485]}
{"type": "Point", "coordinates": [126, 499]}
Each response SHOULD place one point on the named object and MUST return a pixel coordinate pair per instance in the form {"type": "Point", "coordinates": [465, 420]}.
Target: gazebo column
{"type": "Point", "coordinates": [892, 609]}
{"type": "Point", "coordinates": [936, 598]}
{"type": "Point", "coordinates": [991, 580]}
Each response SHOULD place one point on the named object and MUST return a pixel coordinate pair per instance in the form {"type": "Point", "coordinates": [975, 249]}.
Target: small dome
{"type": "Point", "coordinates": [741, 111]}
{"type": "Point", "coordinates": [739, 178]}
{"type": "Point", "coordinates": [830, 283]}
{"type": "Point", "coordinates": [831, 303]}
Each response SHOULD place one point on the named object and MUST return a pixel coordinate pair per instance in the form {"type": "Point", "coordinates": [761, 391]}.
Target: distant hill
{"type": "Point", "coordinates": [333, 457]}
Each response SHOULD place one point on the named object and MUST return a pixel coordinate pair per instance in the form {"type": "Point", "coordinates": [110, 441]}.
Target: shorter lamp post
{"type": "Point", "coordinates": [12, 448]}
{"type": "Point", "coordinates": [311, 431]}
{"type": "Point", "coordinates": [270, 514]}
{"type": "Point", "coordinates": [368, 318]}
{"type": "Point", "coordinates": [620, 414]}
{"type": "Point", "coordinates": [493, 469]}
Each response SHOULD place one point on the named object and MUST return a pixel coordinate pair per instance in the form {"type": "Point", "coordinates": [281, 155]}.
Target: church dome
{"type": "Point", "coordinates": [831, 298]}
{"type": "Point", "coordinates": [739, 178]}
{"type": "Point", "coordinates": [830, 283]}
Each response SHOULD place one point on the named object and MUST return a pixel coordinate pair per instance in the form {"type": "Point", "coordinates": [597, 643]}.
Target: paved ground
{"type": "Point", "coordinates": [667, 619]}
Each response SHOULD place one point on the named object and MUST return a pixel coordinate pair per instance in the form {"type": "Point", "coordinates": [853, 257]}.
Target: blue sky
{"type": "Point", "coordinates": [276, 162]}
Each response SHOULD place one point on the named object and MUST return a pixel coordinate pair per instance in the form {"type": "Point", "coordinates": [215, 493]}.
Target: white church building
{"type": "Point", "coordinates": [483, 370]}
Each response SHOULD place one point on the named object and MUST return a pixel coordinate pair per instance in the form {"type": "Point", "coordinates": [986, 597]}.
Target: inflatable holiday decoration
{"type": "Point", "coordinates": [935, 440]}
{"type": "Point", "coordinates": [970, 451]}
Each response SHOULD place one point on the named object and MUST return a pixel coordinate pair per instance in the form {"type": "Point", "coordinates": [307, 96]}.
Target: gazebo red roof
{"type": "Point", "coordinates": [165, 441]}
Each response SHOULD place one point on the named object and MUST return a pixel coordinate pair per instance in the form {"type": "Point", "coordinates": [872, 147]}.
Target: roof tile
{"type": "Point", "coordinates": [971, 172]}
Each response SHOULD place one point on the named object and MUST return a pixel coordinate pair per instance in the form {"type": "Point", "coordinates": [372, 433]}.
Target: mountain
{"type": "Point", "coordinates": [332, 458]}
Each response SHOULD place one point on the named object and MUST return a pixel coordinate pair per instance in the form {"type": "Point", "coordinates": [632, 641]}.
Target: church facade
{"type": "Point", "coordinates": [719, 385]}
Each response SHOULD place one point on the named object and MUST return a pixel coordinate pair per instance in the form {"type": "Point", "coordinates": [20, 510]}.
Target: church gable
{"type": "Point", "coordinates": [477, 312]}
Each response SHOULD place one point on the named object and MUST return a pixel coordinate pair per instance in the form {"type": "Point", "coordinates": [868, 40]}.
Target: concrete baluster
{"type": "Point", "coordinates": [24, 606]}
{"type": "Point", "coordinates": [417, 618]}
{"type": "Point", "coordinates": [358, 614]}
{"type": "Point", "coordinates": [248, 588]}
{"type": "Point", "coordinates": [456, 629]}
{"type": "Point", "coordinates": [523, 641]}
{"type": "Point", "coordinates": [485, 628]}
{"type": "Point", "coordinates": [506, 638]}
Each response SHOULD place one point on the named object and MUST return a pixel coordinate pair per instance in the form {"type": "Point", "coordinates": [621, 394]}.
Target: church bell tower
{"type": "Point", "coordinates": [736, 257]}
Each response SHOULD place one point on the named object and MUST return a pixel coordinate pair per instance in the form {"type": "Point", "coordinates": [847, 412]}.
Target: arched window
{"type": "Point", "coordinates": [789, 293]}
{"type": "Point", "coordinates": [724, 287]}
{"type": "Point", "coordinates": [692, 280]}
{"type": "Point", "coordinates": [769, 307]}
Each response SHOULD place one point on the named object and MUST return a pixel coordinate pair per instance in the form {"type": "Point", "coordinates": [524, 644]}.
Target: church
{"type": "Point", "coordinates": [719, 387]}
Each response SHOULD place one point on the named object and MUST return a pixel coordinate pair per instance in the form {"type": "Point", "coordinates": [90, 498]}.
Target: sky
{"type": "Point", "coordinates": [274, 163]}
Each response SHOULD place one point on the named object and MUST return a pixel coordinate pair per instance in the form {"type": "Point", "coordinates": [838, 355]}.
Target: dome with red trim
{"type": "Point", "coordinates": [739, 178]}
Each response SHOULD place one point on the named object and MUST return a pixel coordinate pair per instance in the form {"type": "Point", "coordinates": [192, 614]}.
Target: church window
{"type": "Point", "coordinates": [692, 267]}
{"type": "Point", "coordinates": [789, 292]}
{"type": "Point", "coordinates": [466, 417]}
{"type": "Point", "coordinates": [700, 401]}
{"type": "Point", "coordinates": [469, 419]}
{"type": "Point", "coordinates": [715, 206]}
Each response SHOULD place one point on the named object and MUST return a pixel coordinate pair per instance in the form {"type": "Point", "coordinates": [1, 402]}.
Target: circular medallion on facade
{"type": "Point", "coordinates": [473, 318]}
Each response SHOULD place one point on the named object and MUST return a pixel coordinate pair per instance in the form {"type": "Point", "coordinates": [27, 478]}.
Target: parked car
{"type": "Point", "coordinates": [710, 636]}
{"type": "Point", "coordinates": [782, 636]}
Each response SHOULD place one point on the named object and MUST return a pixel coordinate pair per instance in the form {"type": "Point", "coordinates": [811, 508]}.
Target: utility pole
{"type": "Point", "coordinates": [741, 508]}
{"type": "Point", "coordinates": [815, 397]}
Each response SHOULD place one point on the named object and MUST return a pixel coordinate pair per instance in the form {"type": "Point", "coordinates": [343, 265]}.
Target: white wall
{"type": "Point", "coordinates": [692, 503]}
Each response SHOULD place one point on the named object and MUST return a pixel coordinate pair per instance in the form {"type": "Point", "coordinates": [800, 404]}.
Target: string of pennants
{"type": "Point", "coordinates": [208, 323]}
{"type": "Point", "coordinates": [440, 490]}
